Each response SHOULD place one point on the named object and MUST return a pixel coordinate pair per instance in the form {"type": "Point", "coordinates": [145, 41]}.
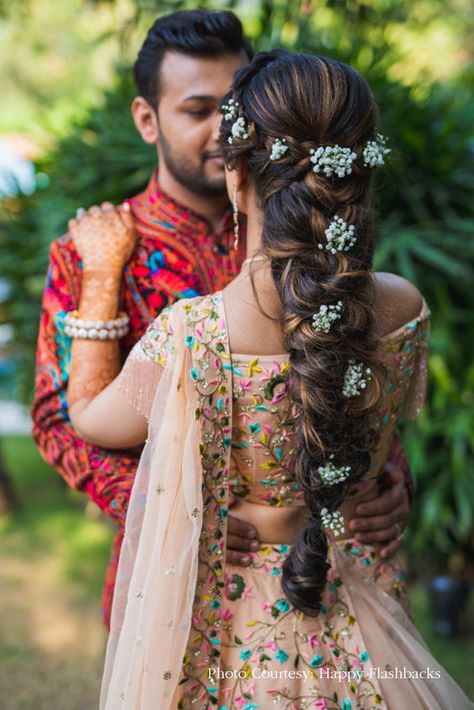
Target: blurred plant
{"type": "Point", "coordinates": [102, 159]}
{"type": "Point", "coordinates": [426, 194]}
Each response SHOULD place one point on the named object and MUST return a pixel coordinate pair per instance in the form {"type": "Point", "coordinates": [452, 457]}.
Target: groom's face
{"type": "Point", "coordinates": [191, 89]}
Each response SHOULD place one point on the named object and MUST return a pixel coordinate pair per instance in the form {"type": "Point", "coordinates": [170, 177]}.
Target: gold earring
{"type": "Point", "coordinates": [235, 214]}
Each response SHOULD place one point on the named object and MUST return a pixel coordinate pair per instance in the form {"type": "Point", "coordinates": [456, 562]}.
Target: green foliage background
{"type": "Point", "coordinates": [415, 56]}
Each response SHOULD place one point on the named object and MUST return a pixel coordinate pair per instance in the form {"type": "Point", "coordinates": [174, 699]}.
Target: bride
{"type": "Point", "coordinates": [284, 389]}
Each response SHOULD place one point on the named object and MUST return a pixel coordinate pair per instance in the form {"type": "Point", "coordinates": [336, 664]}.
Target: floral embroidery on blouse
{"type": "Point", "coordinates": [263, 434]}
{"type": "Point", "coordinates": [405, 358]}
{"type": "Point", "coordinates": [156, 344]}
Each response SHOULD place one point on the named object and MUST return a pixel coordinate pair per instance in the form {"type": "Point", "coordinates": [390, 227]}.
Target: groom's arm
{"type": "Point", "coordinates": [383, 520]}
{"type": "Point", "coordinates": [105, 476]}
{"type": "Point", "coordinates": [397, 457]}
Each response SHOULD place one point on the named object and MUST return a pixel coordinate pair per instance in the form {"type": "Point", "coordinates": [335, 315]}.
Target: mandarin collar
{"type": "Point", "coordinates": [155, 205]}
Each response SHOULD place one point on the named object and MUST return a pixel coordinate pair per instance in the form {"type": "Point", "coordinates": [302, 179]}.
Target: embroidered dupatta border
{"type": "Point", "coordinates": [207, 339]}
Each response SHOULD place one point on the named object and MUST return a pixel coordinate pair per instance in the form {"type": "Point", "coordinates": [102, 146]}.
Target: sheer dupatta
{"type": "Point", "coordinates": [170, 576]}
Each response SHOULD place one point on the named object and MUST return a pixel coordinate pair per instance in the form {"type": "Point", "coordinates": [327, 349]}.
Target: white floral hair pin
{"type": "Point", "coordinates": [332, 474]}
{"type": "Point", "coordinates": [375, 151]}
{"type": "Point", "coordinates": [230, 110]}
{"type": "Point", "coordinates": [332, 520]}
{"type": "Point", "coordinates": [355, 379]}
{"type": "Point", "coordinates": [279, 148]}
{"type": "Point", "coordinates": [332, 160]}
{"type": "Point", "coordinates": [326, 316]}
{"type": "Point", "coordinates": [337, 160]}
{"type": "Point", "coordinates": [239, 130]}
{"type": "Point", "coordinates": [340, 236]}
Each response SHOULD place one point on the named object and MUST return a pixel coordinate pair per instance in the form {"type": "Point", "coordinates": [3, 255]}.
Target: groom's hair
{"type": "Point", "coordinates": [198, 33]}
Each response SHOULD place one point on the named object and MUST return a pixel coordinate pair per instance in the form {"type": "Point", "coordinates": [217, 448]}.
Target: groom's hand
{"type": "Point", "coordinates": [383, 519]}
{"type": "Point", "coordinates": [241, 539]}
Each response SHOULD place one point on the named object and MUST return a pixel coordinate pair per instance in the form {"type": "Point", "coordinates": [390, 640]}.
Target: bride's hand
{"type": "Point", "coordinates": [104, 237]}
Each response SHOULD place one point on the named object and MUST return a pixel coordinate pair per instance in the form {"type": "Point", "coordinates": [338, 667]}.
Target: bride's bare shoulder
{"type": "Point", "coordinates": [397, 301]}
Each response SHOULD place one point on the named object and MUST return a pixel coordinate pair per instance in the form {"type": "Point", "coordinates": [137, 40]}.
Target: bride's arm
{"type": "Point", "coordinates": [98, 409]}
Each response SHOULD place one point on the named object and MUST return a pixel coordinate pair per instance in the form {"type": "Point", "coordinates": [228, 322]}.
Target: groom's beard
{"type": "Point", "coordinates": [192, 174]}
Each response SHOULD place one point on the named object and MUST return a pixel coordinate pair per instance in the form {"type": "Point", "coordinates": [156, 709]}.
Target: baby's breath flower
{"type": "Point", "coordinates": [375, 151]}
{"type": "Point", "coordinates": [279, 148]}
{"type": "Point", "coordinates": [332, 160]}
{"type": "Point", "coordinates": [332, 474]}
{"type": "Point", "coordinates": [355, 379]}
{"type": "Point", "coordinates": [326, 316]}
{"type": "Point", "coordinates": [332, 521]}
{"type": "Point", "coordinates": [239, 130]}
{"type": "Point", "coordinates": [231, 109]}
{"type": "Point", "coordinates": [339, 235]}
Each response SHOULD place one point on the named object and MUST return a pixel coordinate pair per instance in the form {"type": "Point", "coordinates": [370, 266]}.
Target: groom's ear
{"type": "Point", "coordinates": [145, 119]}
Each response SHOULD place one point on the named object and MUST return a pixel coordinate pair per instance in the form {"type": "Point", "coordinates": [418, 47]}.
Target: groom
{"type": "Point", "coordinates": [184, 248]}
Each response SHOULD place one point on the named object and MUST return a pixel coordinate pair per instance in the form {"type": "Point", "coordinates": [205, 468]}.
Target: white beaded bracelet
{"type": "Point", "coordinates": [112, 329]}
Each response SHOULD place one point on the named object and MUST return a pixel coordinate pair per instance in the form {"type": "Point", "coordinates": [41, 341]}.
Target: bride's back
{"type": "Point", "coordinates": [254, 312]}
{"type": "Point", "coordinates": [264, 436]}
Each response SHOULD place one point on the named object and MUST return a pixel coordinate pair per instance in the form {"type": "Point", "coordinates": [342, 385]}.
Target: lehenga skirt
{"type": "Point", "coordinates": [361, 651]}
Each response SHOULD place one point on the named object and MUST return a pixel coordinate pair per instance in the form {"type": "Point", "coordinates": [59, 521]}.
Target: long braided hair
{"type": "Point", "coordinates": [283, 112]}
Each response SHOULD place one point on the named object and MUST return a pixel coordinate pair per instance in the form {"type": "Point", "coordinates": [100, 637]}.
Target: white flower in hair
{"type": "Point", "coordinates": [375, 151]}
{"type": "Point", "coordinates": [231, 109]}
{"type": "Point", "coordinates": [239, 130]}
{"type": "Point", "coordinates": [279, 148]}
{"type": "Point", "coordinates": [355, 379]}
{"type": "Point", "coordinates": [332, 160]}
{"type": "Point", "coordinates": [333, 521]}
{"type": "Point", "coordinates": [339, 235]}
{"type": "Point", "coordinates": [326, 316]}
{"type": "Point", "coordinates": [332, 474]}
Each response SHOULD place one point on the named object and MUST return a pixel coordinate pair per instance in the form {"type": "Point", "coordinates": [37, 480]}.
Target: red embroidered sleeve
{"type": "Point", "coordinates": [105, 476]}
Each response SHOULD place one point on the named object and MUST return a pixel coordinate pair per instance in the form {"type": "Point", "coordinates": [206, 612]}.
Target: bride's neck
{"type": "Point", "coordinates": [254, 285]}
{"type": "Point", "coordinates": [254, 232]}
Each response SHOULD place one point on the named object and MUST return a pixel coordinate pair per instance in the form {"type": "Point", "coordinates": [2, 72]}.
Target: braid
{"type": "Point", "coordinates": [325, 286]}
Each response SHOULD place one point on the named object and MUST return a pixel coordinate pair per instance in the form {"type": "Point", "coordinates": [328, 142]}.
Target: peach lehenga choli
{"type": "Point", "coordinates": [189, 630]}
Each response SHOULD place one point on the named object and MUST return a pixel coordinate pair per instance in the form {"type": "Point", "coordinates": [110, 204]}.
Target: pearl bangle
{"type": "Point", "coordinates": [83, 329]}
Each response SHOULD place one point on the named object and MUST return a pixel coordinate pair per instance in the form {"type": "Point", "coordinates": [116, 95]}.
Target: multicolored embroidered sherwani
{"type": "Point", "coordinates": [177, 255]}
